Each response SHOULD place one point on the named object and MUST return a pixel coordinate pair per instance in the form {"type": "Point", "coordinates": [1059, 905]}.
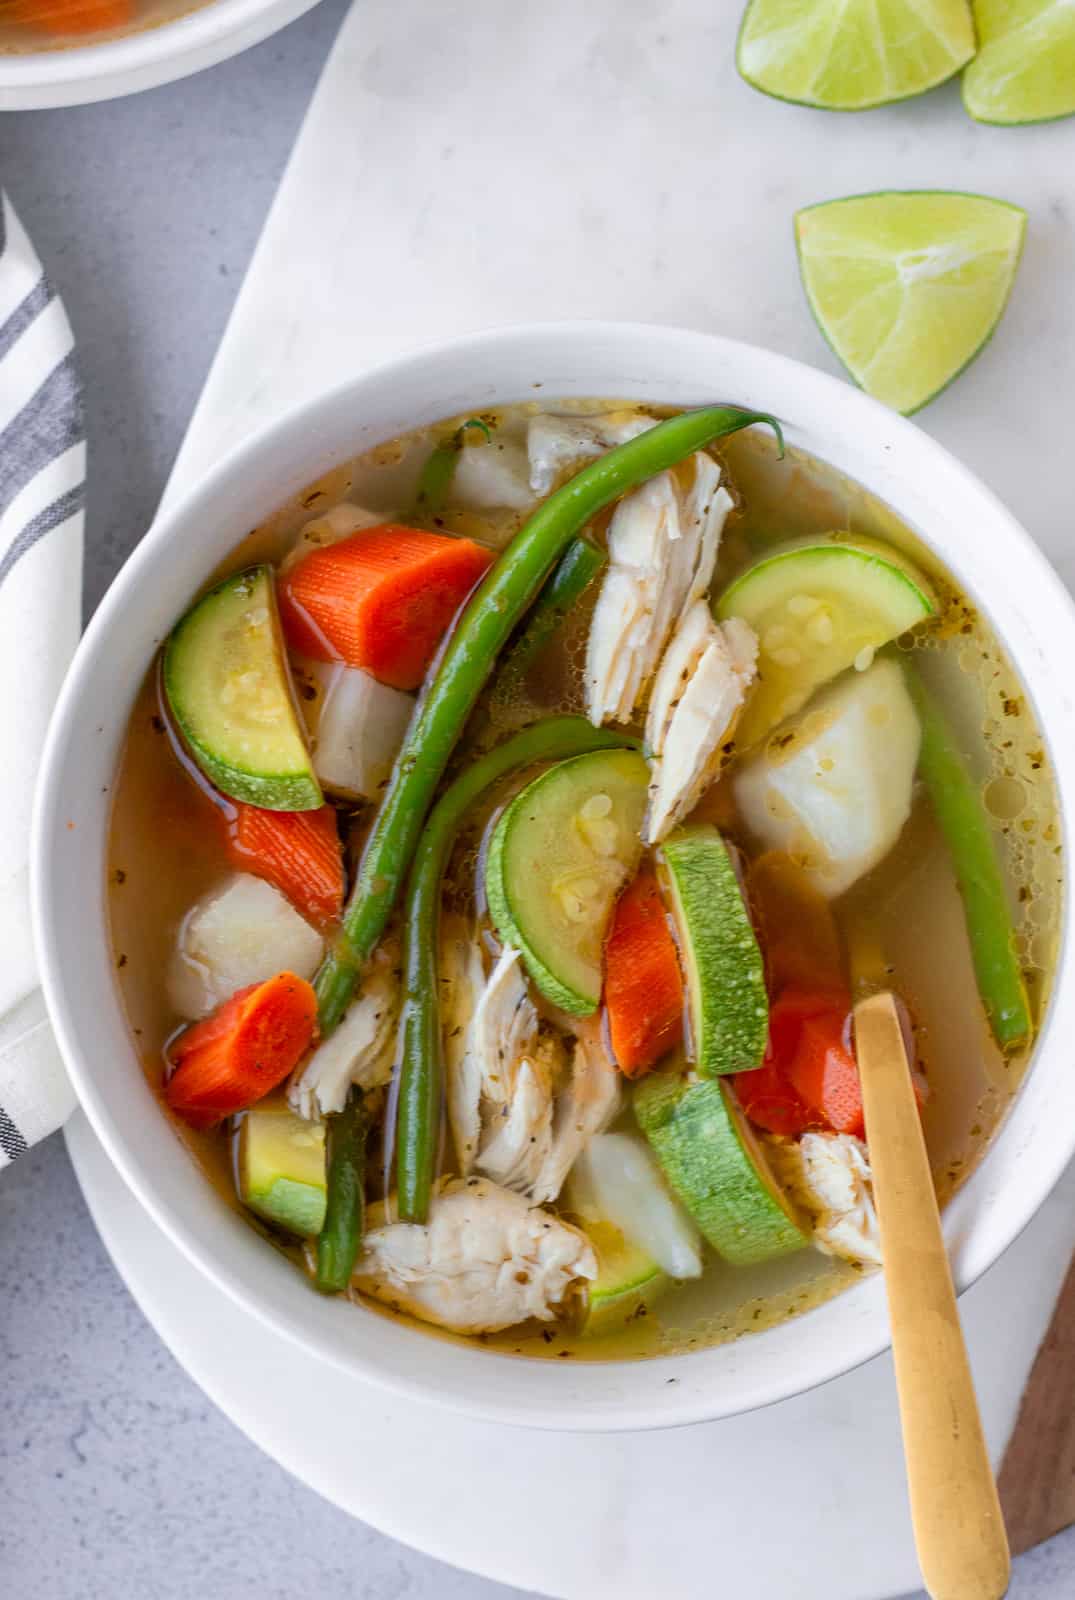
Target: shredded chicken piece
{"type": "Point", "coordinates": [828, 1175]}
{"type": "Point", "coordinates": [662, 547]}
{"type": "Point", "coordinates": [485, 1260]}
{"type": "Point", "coordinates": [504, 1026]}
{"type": "Point", "coordinates": [587, 1106]}
{"type": "Point", "coordinates": [696, 699]}
{"type": "Point", "coordinates": [554, 443]}
{"type": "Point", "coordinates": [520, 1133]}
{"type": "Point", "coordinates": [360, 1051]}
{"type": "Point", "coordinates": [462, 980]}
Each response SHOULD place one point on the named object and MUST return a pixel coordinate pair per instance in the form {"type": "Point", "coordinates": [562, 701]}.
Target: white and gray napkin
{"type": "Point", "coordinates": [42, 487]}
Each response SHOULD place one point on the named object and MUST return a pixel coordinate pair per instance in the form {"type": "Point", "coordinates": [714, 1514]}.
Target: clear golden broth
{"type": "Point", "coordinates": [903, 924]}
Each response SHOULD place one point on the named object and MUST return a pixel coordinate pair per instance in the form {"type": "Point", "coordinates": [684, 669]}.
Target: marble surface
{"type": "Point", "coordinates": [116, 1475]}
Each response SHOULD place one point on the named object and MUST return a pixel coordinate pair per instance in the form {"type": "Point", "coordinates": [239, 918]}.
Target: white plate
{"type": "Point", "coordinates": [805, 1499]}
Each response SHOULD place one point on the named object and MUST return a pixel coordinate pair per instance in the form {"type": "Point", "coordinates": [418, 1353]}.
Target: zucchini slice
{"type": "Point", "coordinates": [726, 999]}
{"type": "Point", "coordinates": [228, 688]}
{"type": "Point", "coordinates": [559, 855]}
{"type": "Point", "coordinates": [281, 1168]}
{"type": "Point", "coordinates": [717, 1167]}
{"type": "Point", "coordinates": [818, 606]}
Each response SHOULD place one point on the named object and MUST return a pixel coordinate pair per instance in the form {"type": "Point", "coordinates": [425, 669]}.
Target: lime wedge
{"type": "Point", "coordinates": [908, 287]}
{"type": "Point", "coordinates": [1025, 68]}
{"type": "Point", "coordinates": [848, 55]}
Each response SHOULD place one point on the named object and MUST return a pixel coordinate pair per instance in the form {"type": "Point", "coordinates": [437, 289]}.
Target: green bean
{"type": "Point", "coordinates": [436, 476]}
{"type": "Point", "coordinates": [961, 816]}
{"type": "Point", "coordinates": [575, 571]}
{"type": "Point", "coordinates": [486, 623]}
{"type": "Point", "coordinates": [420, 1066]}
{"type": "Point", "coordinates": [341, 1231]}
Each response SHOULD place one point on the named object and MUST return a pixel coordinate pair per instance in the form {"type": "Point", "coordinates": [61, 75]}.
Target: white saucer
{"type": "Point", "coordinates": [804, 1499]}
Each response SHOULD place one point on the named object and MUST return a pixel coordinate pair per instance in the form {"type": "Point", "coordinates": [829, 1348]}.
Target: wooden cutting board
{"type": "Point", "coordinates": [1037, 1476]}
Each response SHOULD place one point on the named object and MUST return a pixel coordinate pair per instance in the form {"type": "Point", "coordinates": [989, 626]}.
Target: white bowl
{"type": "Point", "coordinates": [980, 543]}
{"type": "Point", "coordinates": [78, 74]}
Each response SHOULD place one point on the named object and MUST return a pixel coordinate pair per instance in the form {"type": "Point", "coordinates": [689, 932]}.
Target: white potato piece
{"type": "Point", "coordinates": [829, 1176]}
{"type": "Point", "coordinates": [329, 527]}
{"type": "Point", "coordinates": [833, 785]}
{"type": "Point", "coordinates": [486, 1259]}
{"type": "Point", "coordinates": [492, 476]}
{"type": "Point", "coordinates": [616, 1179]}
{"type": "Point", "coordinates": [356, 727]}
{"type": "Point", "coordinates": [359, 1051]}
{"type": "Point", "coordinates": [243, 932]}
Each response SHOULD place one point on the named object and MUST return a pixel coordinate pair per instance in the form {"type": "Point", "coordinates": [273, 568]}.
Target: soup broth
{"type": "Point", "coordinates": [897, 923]}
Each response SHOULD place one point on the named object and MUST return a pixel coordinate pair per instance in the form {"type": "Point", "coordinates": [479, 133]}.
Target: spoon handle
{"type": "Point", "coordinates": [958, 1526]}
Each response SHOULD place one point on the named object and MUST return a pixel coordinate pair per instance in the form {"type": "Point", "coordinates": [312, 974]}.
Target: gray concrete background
{"type": "Point", "coordinates": [117, 1477]}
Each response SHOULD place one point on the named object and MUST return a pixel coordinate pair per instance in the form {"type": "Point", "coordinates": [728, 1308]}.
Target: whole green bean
{"type": "Point", "coordinates": [436, 476]}
{"type": "Point", "coordinates": [341, 1232]}
{"type": "Point", "coordinates": [497, 605]}
{"type": "Point", "coordinates": [420, 1065]}
{"type": "Point", "coordinates": [575, 571]}
{"type": "Point", "coordinates": [961, 816]}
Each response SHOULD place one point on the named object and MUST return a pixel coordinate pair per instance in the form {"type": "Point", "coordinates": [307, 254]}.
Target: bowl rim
{"type": "Point", "coordinates": [104, 69]}
{"type": "Point", "coordinates": [675, 1395]}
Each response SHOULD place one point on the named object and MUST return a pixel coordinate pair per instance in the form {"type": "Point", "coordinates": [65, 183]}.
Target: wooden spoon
{"type": "Point", "coordinates": [958, 1526]}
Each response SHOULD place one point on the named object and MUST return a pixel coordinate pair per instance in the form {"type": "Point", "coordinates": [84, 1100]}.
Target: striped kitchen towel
{"type": "Point", "coordinates": [42, 482]}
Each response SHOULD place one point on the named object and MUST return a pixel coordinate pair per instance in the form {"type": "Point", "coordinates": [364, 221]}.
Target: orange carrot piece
{"type": "Point", "coordinates": [75, 16]}
{"type": "Point", "coordinates": [296, 851]}
{"type": "Point", "coordinates": [382, 599]}
{"type": "Point", "coordinates": [771, 1102]}
{"type": "Point", "coordinates": [643, 983]}
{"type": "Point", "coordinates": [249, 1045]}
{"type": "Point", "coordinates": [824, 1073]}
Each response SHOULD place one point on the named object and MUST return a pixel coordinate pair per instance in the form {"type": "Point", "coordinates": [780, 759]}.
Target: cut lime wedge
{"type": "Point", "coordinates": [1025, 67]}
{"type": "Point", "coordinates": [848, 55]}
{"type": "Point", "coordinates": [908, 287]}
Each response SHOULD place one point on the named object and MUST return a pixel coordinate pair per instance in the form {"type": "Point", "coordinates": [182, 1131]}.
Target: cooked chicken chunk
{"type": "Point", "coordinates": [462, 980]}
{"type": "Point", "coordinates": [516, 1113]}
{"type": "Point", "coordinates": [662, 547]}
{"type": "Point", "coordinates": [519, 1133]}
{"type": "Point", "coordinates": [360, 1051]}
{"type": "Point", "coordinates": [485, 1260]}
{"type": "Point", "coordinates": [697, 695]}
{"type": "Point", "coordinates": [829, 1177]}
{"type": "Point", "coordinates": [554, 443]}
{"type": "Point", "coordinates": [586, 1106]}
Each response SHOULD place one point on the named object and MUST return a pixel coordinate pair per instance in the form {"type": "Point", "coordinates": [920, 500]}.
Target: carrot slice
{"type": "Point", "coordinates": [643, 983]}
{"type": "Point", "coordinates": [249, 1045]}
{"type": "Point", "coordinates": [296, 851]}
{"type": "Point", "coordinates": [75, 16]}
{"type": "Point", "coordinates": [824, 1073]}
{"type": "Point", "coordinates": [770, 1101]}
{"type": "Point", "coordinates": [382, 599]}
